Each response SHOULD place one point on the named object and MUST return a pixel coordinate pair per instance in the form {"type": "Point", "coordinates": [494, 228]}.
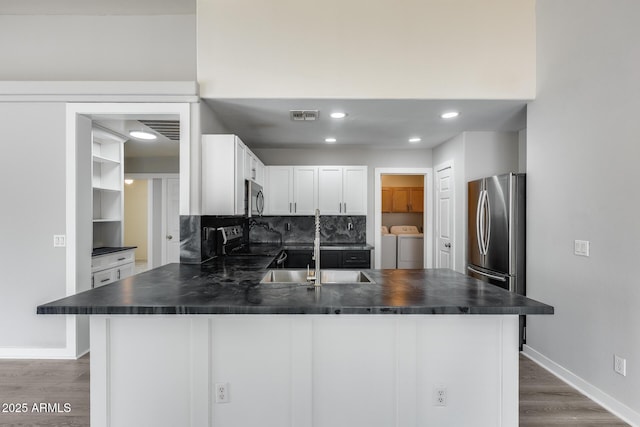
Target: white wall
{"type": "Point", "coordinates": [32, 185]}
{"type": "Point", "coordinates": [349, 156]}
{"type": "Point", "coordinates": [109, 47]}
{"type": "Point", "coordinates": [433, 49]}
{"type": "Point", "coordinates": [152, 164]}
{"type": "Point", "coordinates": [475, 155]}
{"type": "Point", "coordinates": [582, 158]}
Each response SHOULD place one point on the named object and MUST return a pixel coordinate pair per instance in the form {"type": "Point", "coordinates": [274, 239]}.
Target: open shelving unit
{"type": "Point", "coordinates": [108, 188]}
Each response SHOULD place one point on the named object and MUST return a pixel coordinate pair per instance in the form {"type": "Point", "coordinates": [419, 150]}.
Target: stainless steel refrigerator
{"type": "Point", "coordinates": [496, 233]}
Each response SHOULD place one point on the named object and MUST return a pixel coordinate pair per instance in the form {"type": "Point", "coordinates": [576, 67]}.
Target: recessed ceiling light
{"type": "Point", "coordinates": [330, 140]}
{"type": "Point", "coordinates": [338, 115]}
{"type": "Point", "coordinates": [449, 114]}
{"type": "Point", "coordinates": [415, 140]}
{"type": "Point", "coordinates": [140, 134]}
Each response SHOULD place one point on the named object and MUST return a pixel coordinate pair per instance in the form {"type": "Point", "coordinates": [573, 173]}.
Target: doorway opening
{"type": "Point", "coordinates": [94, 199]}
{"type": "Point", "coordinates": [403, 220]}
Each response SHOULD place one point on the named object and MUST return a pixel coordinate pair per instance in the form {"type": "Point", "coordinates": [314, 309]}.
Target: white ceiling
{"type": "Point", "coordinates": [97, 7]}
{"type": "Point", "coordinates": [161, 147]}
{"type": "Point", "coordinates": [263, 123]}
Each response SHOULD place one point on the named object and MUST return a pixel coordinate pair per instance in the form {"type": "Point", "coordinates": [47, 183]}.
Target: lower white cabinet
{"type": "Point", "coordinates": [112, 267]}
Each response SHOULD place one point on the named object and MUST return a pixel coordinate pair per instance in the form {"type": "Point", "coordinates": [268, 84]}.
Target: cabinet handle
{"type": "Point", "coordinates": [104, 280]}
{"type": "Point", "coordinates": [345, 207]}
{"type": "Point", "coordinates": [121, 259]}
{"type": "Point", "coordinates": [290, 211]}
{"type": "Point", "coordinates": [118, 274]}
{"type": "Point", "coordinates": [295, 207]}
{"type": "Point", "coordinates": [93, 281]}
{"type": "Point", "coordinates": [340, 204]}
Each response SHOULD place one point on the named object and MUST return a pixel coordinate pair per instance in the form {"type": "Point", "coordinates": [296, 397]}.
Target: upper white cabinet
{"type": "Point", "coordinates": [299, 190]}
{"type": "Point", "coordinates": [291, 190]}
{"type": "Point", "coordinates": [342, 190]}
{"type": "Point", "coordinates": [108, 188]}
{"type": "Point", "coordinates": [226, 163]}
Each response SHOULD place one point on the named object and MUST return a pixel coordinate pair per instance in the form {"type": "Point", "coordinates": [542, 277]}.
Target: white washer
{"type": "Point", "coordinates": [410, 246]}
{"type": "Point", "coordinates": [388, 252]}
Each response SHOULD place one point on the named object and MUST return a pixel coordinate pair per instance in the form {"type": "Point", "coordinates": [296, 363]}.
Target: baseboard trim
{"type": "Point", "coordinates": [612, 405]}
{"type": "Point", "coordinates": [36, 353]}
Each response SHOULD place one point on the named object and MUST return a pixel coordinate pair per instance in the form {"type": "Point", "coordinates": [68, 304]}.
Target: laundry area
{"type": "Point", "coordinates": [403, 219]}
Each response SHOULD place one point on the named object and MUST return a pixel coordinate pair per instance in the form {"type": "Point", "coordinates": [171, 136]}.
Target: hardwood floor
{"type": "Point", "coordinates": [544, 399]}
{"type": "Point", "coordinates": [53, 382]}
{"type": "Point", "coordinates": [547, 401]}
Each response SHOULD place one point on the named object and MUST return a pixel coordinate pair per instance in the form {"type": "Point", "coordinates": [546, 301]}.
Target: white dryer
{"type": "Point", "coordinates": [389, 248]}
{"type": "Point", "coordinates": [410, 246]}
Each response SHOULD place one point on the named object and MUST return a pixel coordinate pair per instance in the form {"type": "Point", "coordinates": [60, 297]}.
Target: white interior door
{"type": "Point", "coordinates": [172, 235]}
{"type": "Point", "coordinates": [444, 231]}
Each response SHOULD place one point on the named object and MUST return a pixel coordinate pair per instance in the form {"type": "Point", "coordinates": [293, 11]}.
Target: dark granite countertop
{"type": "Point", "coordinates": [329, 246]}
{"type": "Point", "coordinates": [110, 250]}
{"type": "Point", "coordinates": [229, 285]}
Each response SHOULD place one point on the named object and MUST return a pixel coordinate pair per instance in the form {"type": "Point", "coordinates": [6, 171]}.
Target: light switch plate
{"type": "Point", "coordinates": [581, 247]}
{"type": "Point", "coordinates": [59, 241]}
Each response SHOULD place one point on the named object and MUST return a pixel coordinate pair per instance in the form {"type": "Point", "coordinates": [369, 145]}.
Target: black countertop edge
{"type": "Point", "coordinates": [110, 250]}
{"type": "Point", "coordinates": [274, 310]}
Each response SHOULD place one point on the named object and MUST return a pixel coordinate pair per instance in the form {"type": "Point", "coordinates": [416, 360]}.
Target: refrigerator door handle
{"type": "Point", "coordinates": [490, 276]}
{"type": "Point", "coordinates": [487, 223]}
{"type": "Point", "coordinates": [479, 223]}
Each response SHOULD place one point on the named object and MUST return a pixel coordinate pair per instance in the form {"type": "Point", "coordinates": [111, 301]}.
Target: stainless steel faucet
{"type": "Point", "coordinates": [316, 254]}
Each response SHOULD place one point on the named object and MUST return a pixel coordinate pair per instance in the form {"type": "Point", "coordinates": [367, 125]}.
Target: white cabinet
{"type": "Point", "coordinates": [112, 267]}
{"type": "Point", "coordinates": [342, 190]}
{"type": "Point", "coordinates": [292, 190]}
{"type": "Point", "coordinates": [226, 163]}
{"type": "Point", "coordinates": [107, 181]}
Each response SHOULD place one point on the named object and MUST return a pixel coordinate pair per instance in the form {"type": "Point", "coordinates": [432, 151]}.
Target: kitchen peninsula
{"type": "Point", "coordinates": [208, 345]}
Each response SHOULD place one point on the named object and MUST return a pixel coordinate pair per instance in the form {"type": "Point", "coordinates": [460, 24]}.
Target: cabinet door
{"type": "Point", "coordinates": [125, 270]}
{"type": "Point", "coordinates": [387, 199]}
{"type": "Point", "coordinates": [331, 259]}
{"type": "Point", "coordinates": [401, 199]}
{"type": "Point", "coordinates": [305, 190]}
{"type": "Point", "coordinates": [354, 190]}
{"type": "Point", "coordinates": [240, 174]}
{"type": "Point", "coordinates": [279, 191]}
{"type": "Point", "coordinates": [416, 203]}
{"type": "Point", "coordinates": [260, 173]}
{"type": "Point", "coordinates": [330, 190]}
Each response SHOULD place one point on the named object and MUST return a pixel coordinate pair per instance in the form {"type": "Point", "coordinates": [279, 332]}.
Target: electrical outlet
{"type": "Point", "coordinates": [59, 241]}
{"type": "Point", "coordinates": [620, 365]}
{"type": "Point", "coordinates": [222, 393]}
{"type": "Point", "coordinates": [440, 396]}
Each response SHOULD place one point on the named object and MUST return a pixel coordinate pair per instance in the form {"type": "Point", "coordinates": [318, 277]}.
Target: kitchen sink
{"type": "Point", "coordinates": [326, 276]}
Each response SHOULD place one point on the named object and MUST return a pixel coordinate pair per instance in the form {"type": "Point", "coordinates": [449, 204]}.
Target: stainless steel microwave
{"type": "Point", "coordinates": [254, 201]}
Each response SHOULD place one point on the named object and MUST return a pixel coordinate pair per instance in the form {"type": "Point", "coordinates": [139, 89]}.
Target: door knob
{"type": "Point", "coordinates": [447, 245]}
{"type": "Point", "coordinates": [169, 237]}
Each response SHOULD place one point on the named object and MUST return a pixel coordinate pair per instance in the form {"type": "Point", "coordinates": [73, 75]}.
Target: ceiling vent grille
{"type": "Point", "coordinates": [303, 115]}
{"type": "Point", "coordinates": [167, 128]}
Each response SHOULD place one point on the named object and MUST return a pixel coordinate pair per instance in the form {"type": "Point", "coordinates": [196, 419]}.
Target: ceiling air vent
{"type": "Point", "coordinates": [303, 115]}
{"type": "Point", "coordinates": [168, 128]}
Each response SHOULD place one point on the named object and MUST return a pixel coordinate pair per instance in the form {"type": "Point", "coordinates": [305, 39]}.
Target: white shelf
{"type": "Point", "coordinates": [100, 159]}
{"type": "Point", "coordinates": [108, 189]}
{"type": "Point", "coordinates": [115, 190]}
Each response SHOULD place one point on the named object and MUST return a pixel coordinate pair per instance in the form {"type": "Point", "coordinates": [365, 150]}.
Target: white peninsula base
{"type": "Point", "coordinates": [304, 370]}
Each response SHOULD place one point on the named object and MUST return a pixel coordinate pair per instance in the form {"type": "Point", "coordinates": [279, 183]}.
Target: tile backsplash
{"type": "Point", "coordinates": [197, 233]}
{"type": "Point", "coordinates": [301, 229]}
